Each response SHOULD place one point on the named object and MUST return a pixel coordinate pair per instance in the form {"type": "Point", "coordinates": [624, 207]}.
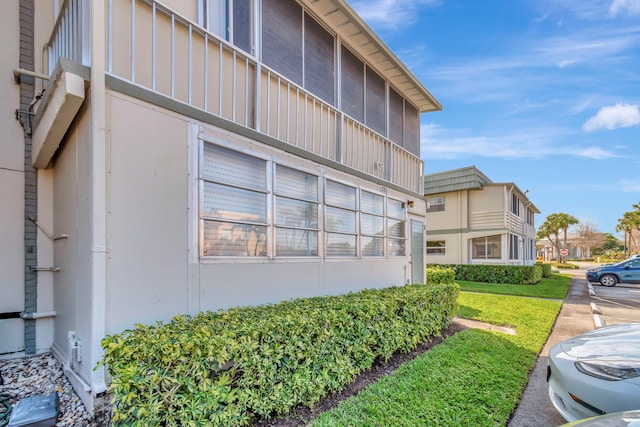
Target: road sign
{"type": "Point", "coordinates": [564, 252]}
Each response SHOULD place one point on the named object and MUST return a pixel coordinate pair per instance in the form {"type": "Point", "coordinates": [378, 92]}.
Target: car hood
{"type": "Point", "coordinates": [611, 342]}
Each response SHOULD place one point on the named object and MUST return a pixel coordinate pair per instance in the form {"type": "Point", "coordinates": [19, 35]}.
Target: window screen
{"type": "Point", "coordinates": [396, 118]}
{"type": "Point", "coordinates": [376, 102]}
{"type": "Point", "coordinates": [242, 25]}
{"type": "Point", "coordinates": [282, 37]}
{"type": "Point", "coordinates": [411, 129]}
{"type": "Point", "coordinates": [352, 83]}
{"type": "Point", "coordinates": [319, 60]}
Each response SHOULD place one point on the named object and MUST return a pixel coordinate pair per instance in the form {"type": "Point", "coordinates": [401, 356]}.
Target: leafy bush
{"type": "Point", "coordinates": [546, 268]}
{"type": "Point", "coordinates": [440, 275]}
{"type": "Point", "coordinates": [514, 274]}
{"type": "Point", "coordinates": [567, 266]}
{"type": "Point", "coordinates": [230, 368]}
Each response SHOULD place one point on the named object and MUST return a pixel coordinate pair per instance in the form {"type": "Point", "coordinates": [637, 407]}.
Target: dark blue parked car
{"type": "Point", "coordinates": [627, 271]}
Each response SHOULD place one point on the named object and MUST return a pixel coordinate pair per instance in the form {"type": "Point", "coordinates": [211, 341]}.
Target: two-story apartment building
{"type": "Point", "coordinates": [187, 155]}
{"type": "Point", "coordinates": [472, 220]}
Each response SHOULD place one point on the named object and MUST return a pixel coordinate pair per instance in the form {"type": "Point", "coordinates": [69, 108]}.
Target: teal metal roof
{"type": "Point", "coordinates": [469, 178]}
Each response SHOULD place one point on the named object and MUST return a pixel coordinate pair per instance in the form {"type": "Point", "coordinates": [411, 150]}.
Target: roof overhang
{"type": "Point", "coordinates": [361, 38]}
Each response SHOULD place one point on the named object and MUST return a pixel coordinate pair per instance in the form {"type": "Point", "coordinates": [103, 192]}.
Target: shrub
{"type": "Point", "coordinates": [546, 268]}
{"type": "Point", "coordinates": [440, 275]}
{"type": "Point", "coordinates": [230, 368]}
{"type": "Point", "coordinates": [567, 266]}
{"type": "Point", "coordinates": [514, 274]}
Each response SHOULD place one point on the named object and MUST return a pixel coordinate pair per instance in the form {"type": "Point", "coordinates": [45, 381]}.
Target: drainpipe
{"type": "Point", "coordinates": [508, 215]}
{"type": "Point", "coordinates": [37, 315]}
{"type": "Point", "coordinates": [98, 11]}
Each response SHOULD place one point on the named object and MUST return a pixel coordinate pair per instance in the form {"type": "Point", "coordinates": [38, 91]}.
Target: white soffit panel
{"type": "Point", "coordinates": [62, 106]}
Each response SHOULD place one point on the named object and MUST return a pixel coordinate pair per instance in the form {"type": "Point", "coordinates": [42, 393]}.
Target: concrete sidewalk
{"type": "Point", "coordinates": [576, 317]}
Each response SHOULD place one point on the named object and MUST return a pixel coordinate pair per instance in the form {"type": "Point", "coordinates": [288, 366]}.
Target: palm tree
{"type": "Point", "coordinates": [552, 227]}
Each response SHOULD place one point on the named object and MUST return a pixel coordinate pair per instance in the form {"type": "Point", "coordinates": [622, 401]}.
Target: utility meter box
{"type": "Point", "coordinates": [36, 411]}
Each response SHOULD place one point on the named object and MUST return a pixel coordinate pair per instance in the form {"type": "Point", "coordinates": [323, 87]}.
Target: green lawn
{"type": "Point", "coordinates": [555, 287]}
{"type": "Point", "coordinates": [474, 378]}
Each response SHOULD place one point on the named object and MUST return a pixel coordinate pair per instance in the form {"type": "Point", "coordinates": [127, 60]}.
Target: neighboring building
{"type": "Point", "coordinates": [193, 155]}
{"type": "Point", "coordinates": [472, 220]}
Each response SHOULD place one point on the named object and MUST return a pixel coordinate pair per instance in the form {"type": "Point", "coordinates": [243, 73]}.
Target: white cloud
{"type": "Point", "coordinates": [632, 7]}
{"type": "Point", "coordinates": [389, 13]}
{"type": "Point", "coordinates": [596, 153]}
{"type": "Point", "coordinates": [445, 144]}
{"type": "Point", "coordinates": [613, 117]}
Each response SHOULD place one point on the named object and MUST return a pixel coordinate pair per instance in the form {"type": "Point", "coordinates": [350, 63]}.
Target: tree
{"type": "Point", "coordinates": [630, 223]}
{"type": "Point", "coordinates": [551, 228]}
{"type": "Point", "coordinates": [588, 237]}
{"type": "Point", "coordinates": [609, 244]}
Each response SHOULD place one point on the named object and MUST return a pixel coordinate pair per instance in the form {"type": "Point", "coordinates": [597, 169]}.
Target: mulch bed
{"type": "Point", "coordinates": [303, 415]}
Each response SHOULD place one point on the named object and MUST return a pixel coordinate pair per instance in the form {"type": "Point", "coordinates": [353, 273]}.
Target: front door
{"type": "Point", "coordinates": [417, 250]}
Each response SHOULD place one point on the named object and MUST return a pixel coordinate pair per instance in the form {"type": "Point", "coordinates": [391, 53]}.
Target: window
{"type": "Point", "coordinates": [489, 247]}
{"type": "Point", "coordinates": [250, 207]}
{"type": "Point", "coordinates": [376, 102]}
{"type": "Point", "coordinates": [352, 85]}
{"type": "Point", "coordinates": [296, 45]}
{"type": "Point", "coordinates": [340, 219]}
{"type": "Point", "coordinates": [404, 123]}
{"type": "Point", "coordinates": [282, 38]}
{"type": "Point", "coordinates": [515, 205]}
{"type": "Point", "coordinates": [233, 209]}
{"type": "Point", "coordinates": [436, 247]}
{"type": "Point", "coordinates": [396, 234]}
{"type": "Point", "coordinates": [530, 216]}
{"type": "Point", "coordinates": [435, 204]}
{"type": "Point", "coordinates": [513, 246]}
{"type": "Point", "coordinates": [372, 224]}
{"type": "Point", "coordinates": [231, 20]}
{"type": "Point", "coordinates": [296, 208]}
{"type": "Point", "coordinates": [319, 60]}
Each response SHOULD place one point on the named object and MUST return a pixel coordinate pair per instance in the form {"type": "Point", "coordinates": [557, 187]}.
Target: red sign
{"type": "Point", "coordinates": [564, 252]}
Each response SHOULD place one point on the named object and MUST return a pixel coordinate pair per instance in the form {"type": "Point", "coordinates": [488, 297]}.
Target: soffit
{"type": "Point", "coordinates": [355, 33]}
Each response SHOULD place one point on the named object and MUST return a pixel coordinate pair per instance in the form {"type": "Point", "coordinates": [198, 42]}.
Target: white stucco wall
{"type": "Point", "coordinates": [11, 186]}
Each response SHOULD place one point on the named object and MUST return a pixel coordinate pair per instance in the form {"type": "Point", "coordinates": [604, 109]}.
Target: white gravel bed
{"type": "Point", "coordinates": [43, 374]}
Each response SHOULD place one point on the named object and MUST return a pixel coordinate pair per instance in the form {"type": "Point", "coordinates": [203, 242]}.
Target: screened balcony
{"type": "Point", "coordinates": [154, 47]}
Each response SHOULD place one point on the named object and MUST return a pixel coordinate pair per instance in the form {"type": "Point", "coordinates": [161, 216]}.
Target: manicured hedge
{"type": "Point", "coordinates": [513, 274]}
{"type": "Point", "coordinates": [439, 275]}
{"type": "Point", "coordinates": [546, 269]}
{"type": "Point", "coordinates": [230, 368]}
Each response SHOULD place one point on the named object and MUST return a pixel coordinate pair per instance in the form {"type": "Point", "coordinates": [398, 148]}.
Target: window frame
{"type": "Point", "coordinates": [440, 250]}
{"type": "Point", "coordinates": [436, 204]}
{"type": "Point", "coordinates": [231, 22]}
{"type": "Point", "coordinates": [486, 250]}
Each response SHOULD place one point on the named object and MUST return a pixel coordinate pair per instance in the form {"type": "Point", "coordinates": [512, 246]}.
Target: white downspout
{"type": "Point", "coordinates": [508, 222]}
{"type": "Point", "coordinates": [98, 193]}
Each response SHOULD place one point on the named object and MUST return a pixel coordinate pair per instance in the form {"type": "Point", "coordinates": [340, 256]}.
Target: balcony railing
{"type": "Point", "coordinates": [154, 47]}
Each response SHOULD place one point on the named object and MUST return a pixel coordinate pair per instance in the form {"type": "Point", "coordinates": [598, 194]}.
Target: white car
{"type": "Point", "coordinates": [596, 373]}
{"type": "Point", "coordinates": [617, 419]}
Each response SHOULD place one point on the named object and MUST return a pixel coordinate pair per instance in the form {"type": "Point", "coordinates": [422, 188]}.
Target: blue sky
{"type": "Point", "coordinates": [543, 93]}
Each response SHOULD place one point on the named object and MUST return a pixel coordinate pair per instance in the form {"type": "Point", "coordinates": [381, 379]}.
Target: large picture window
{"type": "Point", "coordinates": [255, 207]}
{"type": "Point", "coordinates": [489, 247]}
